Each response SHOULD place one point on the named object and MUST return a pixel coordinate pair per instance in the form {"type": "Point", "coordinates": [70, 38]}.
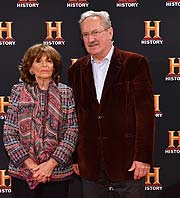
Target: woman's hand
{"type": "Point", "coordinates": [42, 172]}
{"type": "Point", "coordinates": [30, 164]}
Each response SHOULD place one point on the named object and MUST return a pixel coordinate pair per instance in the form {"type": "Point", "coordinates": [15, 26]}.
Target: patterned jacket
{"type": "Point", "coordinates": [41, 125]}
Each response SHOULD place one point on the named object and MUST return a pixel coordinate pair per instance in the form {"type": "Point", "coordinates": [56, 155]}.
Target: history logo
{"type": "Point", "coordinates": [54, 33]}
{"type": "Point", "coordinates": [152, 33]}
{"type": "Point", "coordinates": [174, 70]}
{"type": "Point", "coordinates": [158, 113]}
{"type": "Point", "coordinates": [5, 182]}
{"type": "Point", "coordinates": [77, 4]}
{"type": "Point", "coordinates": [152, 182]}
{"type": "Point", "coordinates": [27, 4]}
{"type": "Point", "coordinates": [172, 3]}
{"type": "Point", "coordinates": [6, 37]}
{"type": "Point", "coordinates": [4, 102]}
{"type": "Point", "coordinates": [174, 142]}
{"type": "Point", "coordinates": [127, 4]}
{"type": "Point", "coordinates": [73, 60]}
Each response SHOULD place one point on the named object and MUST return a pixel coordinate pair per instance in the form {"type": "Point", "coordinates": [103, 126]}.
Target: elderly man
{"type": "Point", "coordinates": [114, 100]}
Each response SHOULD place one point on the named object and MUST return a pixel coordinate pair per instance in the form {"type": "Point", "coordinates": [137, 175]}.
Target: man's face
{"type": "Point", "coordinates": [97, 39]}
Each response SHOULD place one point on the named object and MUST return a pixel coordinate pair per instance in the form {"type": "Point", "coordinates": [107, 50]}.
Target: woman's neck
{"type": "Point", "coordinates": [43, 83]}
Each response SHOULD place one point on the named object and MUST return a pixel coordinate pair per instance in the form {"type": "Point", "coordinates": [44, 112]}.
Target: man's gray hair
{"type": "Point", "coordinates": [103, 15]}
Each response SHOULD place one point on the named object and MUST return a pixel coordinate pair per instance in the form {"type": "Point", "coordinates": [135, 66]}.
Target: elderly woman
{"type": "Point", "coordinates": [40, 130]}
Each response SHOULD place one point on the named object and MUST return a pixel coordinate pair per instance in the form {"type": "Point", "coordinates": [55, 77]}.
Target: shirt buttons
{"type": "Point", "coordinates": [100, 117]}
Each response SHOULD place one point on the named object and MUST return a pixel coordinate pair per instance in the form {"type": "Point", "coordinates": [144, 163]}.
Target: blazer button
{"type": "Point", "coordinates": [100, 117]}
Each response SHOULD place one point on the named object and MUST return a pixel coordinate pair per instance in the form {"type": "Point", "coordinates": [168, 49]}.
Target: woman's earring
{"type": "Point", "coordinates": [31, 72]}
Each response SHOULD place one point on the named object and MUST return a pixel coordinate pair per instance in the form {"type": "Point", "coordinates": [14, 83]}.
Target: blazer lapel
{"type": "Point", "coordinates": [88, 78]}
{"type": "Point", "coordinates": [113, 72]}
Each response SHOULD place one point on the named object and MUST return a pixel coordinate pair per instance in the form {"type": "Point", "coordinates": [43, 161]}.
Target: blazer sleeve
{"type": "Point", "coordinates": [144, 112]}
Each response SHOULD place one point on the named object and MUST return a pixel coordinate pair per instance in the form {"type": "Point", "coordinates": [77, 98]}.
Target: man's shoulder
{"type": "Point", "coordinates": [80, 63]}
{"type": "Point", "coordinates": [132, 61]}
{"type": "Point", "coordinates": [127, 54]}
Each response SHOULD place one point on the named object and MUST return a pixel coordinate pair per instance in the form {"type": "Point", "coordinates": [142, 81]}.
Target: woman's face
{"type": "Point", "coordinates": [42, 68]}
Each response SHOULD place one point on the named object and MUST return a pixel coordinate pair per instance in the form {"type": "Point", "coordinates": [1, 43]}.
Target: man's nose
{"type": "Point", "coordinates": [91, 38]}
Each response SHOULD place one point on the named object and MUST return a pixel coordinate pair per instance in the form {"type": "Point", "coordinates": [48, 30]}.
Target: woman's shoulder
{"type": "Point", "coordinates": [16, 92]}
{"type": "Point", "coordinates": [65, 90]}
{"type": "Point", "coordinates": [64, 87]}
{"type": "Point", "coordinates": [18, 87]}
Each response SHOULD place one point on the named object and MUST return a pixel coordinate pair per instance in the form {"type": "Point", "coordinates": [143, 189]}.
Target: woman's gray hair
{"type": "Point", "coordinates": [103, 15]}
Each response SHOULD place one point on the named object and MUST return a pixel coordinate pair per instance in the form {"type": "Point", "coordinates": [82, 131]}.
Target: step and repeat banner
{"type": "Point", "coordinates": [147, 27]}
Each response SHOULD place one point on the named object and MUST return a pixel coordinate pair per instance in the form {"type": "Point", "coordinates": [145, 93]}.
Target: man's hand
{"type": "Point", "coordinates": [76, 169]}
{"type": "Point", "coordinates": [140, 169]}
